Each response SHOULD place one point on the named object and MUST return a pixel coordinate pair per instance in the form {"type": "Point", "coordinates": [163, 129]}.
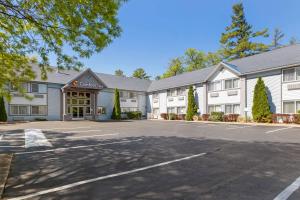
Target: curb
{"type": "Point", "coordinates": [5, 168]}
{"type": "Point", "coordinates": [230, 123]}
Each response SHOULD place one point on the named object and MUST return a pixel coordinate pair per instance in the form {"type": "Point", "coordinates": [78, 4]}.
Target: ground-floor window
{"type": "Point", "coordinates": [180, 110]}
{"type": "Point", "coordinates": [171, 110]}
{"type": "Point", "coordinates": [214, 108]}
{"type": "Point", "coordinates": [38, 110]}
{"type": "Point", "coordinates": [290, 107]}
{"type": "Point", "coordinates": [232, 109]}
{"type": "Point", "coordinates": [128, 109]}
{"type": "Point", "coordinates": [19, 109]}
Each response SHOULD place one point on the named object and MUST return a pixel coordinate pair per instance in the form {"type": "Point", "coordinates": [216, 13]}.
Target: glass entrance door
{"type": "Point", "coordinates": [77, 112]}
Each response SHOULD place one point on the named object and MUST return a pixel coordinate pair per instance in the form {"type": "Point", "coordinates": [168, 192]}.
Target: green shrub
{"type": "Point", "coordinates": [172, 116]}
{"type": "Point", "coordinates": [3, 115]}
{"type": "Point", "coordinates": [40, 119]}
{"type": "Point", "coordinates": [261, 108]}
{"type": "Point", "coordinates": [116, 114]}
{"type": "Point", "coordinates": [134, 115]}
{"type": "Point", "coordinates": [216, 116]}
{"type": "Point", "coordinates": [192, 106]}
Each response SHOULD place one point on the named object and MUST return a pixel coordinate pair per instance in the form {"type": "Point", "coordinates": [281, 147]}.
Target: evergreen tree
{"type": "Point", "coordinates": [119, 72]}
{"type": "Point", "coordinates": [175, 68]}
{"type": "Point", "coordinates": [140, 73]}
{"type": "Point", "coordinates": [3, 116]}
{"type": "Point", "coordinates": [261, 108]}
{"type": "Point", "coordinates": [116, 114]}
{"type": "Point", "coordinates": [236, 41]}
{"type": "Point", "coordinates": [293, 41]}
{"type": "Point", "coordinates": [192, 106]}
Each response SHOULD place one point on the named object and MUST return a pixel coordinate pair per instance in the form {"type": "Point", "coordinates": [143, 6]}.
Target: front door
{"type": "Point", "coordinates": [77, 112]}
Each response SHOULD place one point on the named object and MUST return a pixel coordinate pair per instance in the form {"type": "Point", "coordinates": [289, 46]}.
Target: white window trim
{"type": "Point", "coordinates": [290, 101]}
{"type": "Point", "coordinates": [295, 75]}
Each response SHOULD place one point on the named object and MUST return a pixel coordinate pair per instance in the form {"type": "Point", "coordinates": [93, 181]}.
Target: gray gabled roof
{"type": "Point", "coordinates": [184, 79]}
{"type": "Point", "coordinates": [277, 58]}
{"type": "Point", "coordinates": [124, 83]}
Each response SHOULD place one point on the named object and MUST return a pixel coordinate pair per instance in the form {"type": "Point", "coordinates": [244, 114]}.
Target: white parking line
{"type": "Point", "coordinates": [1, 136]}
{"type": "Point", "coordinates": [84, 136]}
{"type": "Point", "coordinates": [289, 190]}
{"type": "Point", "coordinates": [281, 129]}
{"type": "Point", "coordinates": [13, 146]}
{"type": "Point", "coordinates": [49, 129]}
{"type": "Point", "coordinates": [237, 127]}
{"type": "Point", "coordinates": [72, 185]}
{"type": "Point", "coordinates": [77, 147]}
{"type": "Point", "coordinates": [82, 131]}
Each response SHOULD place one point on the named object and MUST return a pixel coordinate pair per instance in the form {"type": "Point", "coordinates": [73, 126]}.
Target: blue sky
{"type": "Point", "coordinates": [154, 31]}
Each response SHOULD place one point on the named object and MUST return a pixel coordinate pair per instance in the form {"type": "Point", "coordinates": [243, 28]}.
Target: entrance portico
{"type": "Point", "coordinates": [80, 97]}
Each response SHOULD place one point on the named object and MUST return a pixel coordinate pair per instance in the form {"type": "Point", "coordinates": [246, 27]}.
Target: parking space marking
{"type": "Point", "coordinates": [84, 136]}
{"type": "Point", "coordinates": [72, 185]}
{"type": "Point", "coordinates": [287, 192]}
{"type": "Point", "coordinates": [85, 131]}
{"type": "Point", "coordinates": [67, 128]}
{"type": "Point", "coordinates": [237, 127]}
{"type": "Point", "coordinates": [1, 136]}
{"type": "Point", "coordinates": [35, 138]}
{"type": "Point", "coordinates": [77, 147]}
{"type": "Point", "coordinates": [280, 129]}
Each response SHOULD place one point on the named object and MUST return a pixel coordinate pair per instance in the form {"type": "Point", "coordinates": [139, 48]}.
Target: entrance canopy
{"type": "Point", "coordinates": [85, 80]}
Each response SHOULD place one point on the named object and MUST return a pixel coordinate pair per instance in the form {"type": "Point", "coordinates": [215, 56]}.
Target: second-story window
{"type": "Point", "coordinates": [180, 91]}
{"type": "Point", "coordinates": [38, 88]}
{"type": "Point", "coordinates": [35, 87]}
{"type": "Point", "coordinates": [171, 93]}
{"type": "Point", "coordinates": [214, 86]}
{"type": "Point", "coordinates": [292, 74]}
{"type": "Point", "coordinates": [155, 95]}
{"type": "Point", "coordinates": [231, 84]}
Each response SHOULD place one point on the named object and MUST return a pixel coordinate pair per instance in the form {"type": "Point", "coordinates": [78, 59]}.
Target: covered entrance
{"type": "Point", "coordinates": [80, 97]}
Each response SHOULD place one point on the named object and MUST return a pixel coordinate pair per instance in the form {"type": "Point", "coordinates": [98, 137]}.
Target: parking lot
{"type": "Point", "coordinates": [151, 160]}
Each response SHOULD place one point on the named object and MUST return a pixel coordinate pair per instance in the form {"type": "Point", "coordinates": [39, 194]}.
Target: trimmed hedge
{"type": "Point", "coordinates": [216, 116]}
{"type": "Point", "coordinates": [172, 116]}
{"type": "Point", "coordinates": [134, 115]}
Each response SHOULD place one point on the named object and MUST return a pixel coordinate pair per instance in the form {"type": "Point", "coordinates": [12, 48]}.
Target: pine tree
{"type": "Point", "coordinates": [236, 41]}
{"type": "Point", "coordinates": [3, 116]}
{"type": "Point", "coordinates": [116, 114]}
{"type": "Point", "coordinates": [261, 108]}
{"type": "Point", "coordinates": [192, 106]}
{"type": "Point", "coordinates": [277, 37]}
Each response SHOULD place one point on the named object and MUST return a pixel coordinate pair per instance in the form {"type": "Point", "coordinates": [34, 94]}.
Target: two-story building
{"type": "Point", "coordinates": [226, 87]}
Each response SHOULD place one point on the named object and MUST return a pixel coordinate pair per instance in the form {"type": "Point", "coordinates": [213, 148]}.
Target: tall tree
{"type": "Point", "coordinates": [277, 36]}
{"type": "Point", "coordinates": [237, 41]}
{"type": "Point", "coordinates": [261, 108]}
{"type": "Point", "coordinates": [119, 72]}
{"type": "Point", "coordinates": [157, 77]}
{"type": "Point", "coordinates": [192, 106]}
{"type": "Point", "coordinates": [175, 68]}
{"type": "Point", "coordinates": [41, 28]}
{"type": "Point", "coordinates": [116, 114]}
{"type": "Point", "coordinates": [140, 73]}
{"type": "Point", "coordinates": [3, 115]}
{"type": "Point", "coordinates": [293, 40]}
{"type": "Point", "coordinates": [194, 59]}
{"type": "Point", "coordinates": [213, 58]}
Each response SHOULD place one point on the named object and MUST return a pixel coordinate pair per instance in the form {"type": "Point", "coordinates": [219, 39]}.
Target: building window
{"type": "Point", "coordinates": [19, 110]}
{"type": "Point", "coordinates": [128, 109]}
{"type": "Point", "coordinates": [181, 91]}
{"type": "Point", "coordinates": [38, 88]}
{"type": "Point", "coordinates": [171, 93]}
{"type": "Point", "coordinates": [232, 109]}
{"type": "Point", "coordinates": [180, 110]}
{"type": "Point", "coordinates": [132, 95]}
{"type": "Point", "coordinates": [214, 108]}
{"type": "Point", "coordinates": [34, 87]}
{"type": "Point", "coordinates": [23, 85]}
{"type": "Point", "coordinates": [289, 107]}
{"type": "Point", "coordinates": [289, 74]}
{"type": "Point", "coordinates": [101, 110]}
{"type": "Point", "coordinates": [171, 110]}
{"type": "Point", "coordinates": [214, 86]}
{"type": "Point", "coordinates": [39, 110]}
{"type": "Point", "coordinates": [155, 111]}
{"type": "Point", "coordinates": [298, 73]}
{"type": "Point", "coordinates": [88, 110]}
{"type": "Point", "coordinates": [231, 84]}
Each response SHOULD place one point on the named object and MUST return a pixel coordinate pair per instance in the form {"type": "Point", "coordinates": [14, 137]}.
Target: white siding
{"type": "Point", "coordinates": [223, 97]}
{"type": "Point", "coordinates": [54, 104]}
{"type": "Point", "coordinates": [290, 94]}
{"type": "Point", "coordinates": [142, 103]}
{"type": "Point", "coordinates": [177, 101]}
{"type": "Point", "coordinates": [223, 74]}
{"type": "Point", "coordinates": [200, 99]}
{"type": "Point", "coordinates": [163, 102]}
{"type": "Point", "coordinates": [34, 101]}
{"type": "Point", "coordinates": [273, 83]}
